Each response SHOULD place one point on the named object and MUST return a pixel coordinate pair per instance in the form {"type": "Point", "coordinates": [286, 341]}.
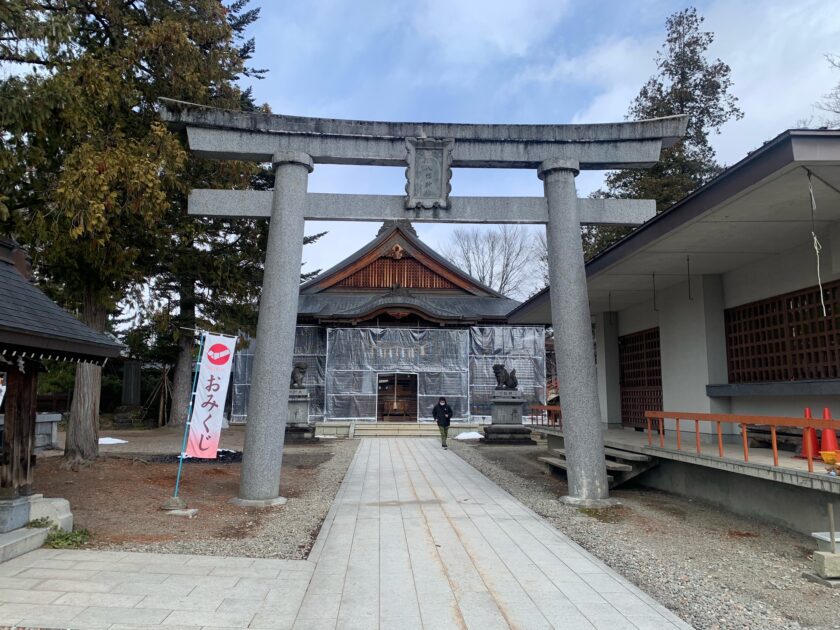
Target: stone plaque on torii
{"type": "Point", "coordinates": [429, 150]}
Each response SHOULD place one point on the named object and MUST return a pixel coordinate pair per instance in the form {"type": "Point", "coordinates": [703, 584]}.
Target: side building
{"type": "Point", "coordinates": [393, 327]}
{"type": "Point", "coordinates": [729, 301]}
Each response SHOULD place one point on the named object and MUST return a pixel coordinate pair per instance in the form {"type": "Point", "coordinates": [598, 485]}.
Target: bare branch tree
{"type": "Point", "coordinates": [503, 257]}
{"type": "Point", "coordinates": [831, 101]}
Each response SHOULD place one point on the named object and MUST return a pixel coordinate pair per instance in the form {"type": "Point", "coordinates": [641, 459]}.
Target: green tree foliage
{"type": "Point", "coordinates": [92, 182]}
{"type": "Point", "coordinates": [686, 82]}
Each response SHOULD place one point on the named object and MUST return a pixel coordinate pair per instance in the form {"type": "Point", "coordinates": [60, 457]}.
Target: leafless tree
{"type": "Point", "coordinates": [502, 257]}
{"type": "Point", "coordinates": [541, 258]}
{"type": "Point", "coordinates": [831, 101]}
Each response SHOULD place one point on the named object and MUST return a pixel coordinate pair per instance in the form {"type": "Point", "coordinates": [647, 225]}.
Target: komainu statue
{"type": "Point", "coordinates": [298, 374]}
{"type": "Point", "coordinates": [505, 379]}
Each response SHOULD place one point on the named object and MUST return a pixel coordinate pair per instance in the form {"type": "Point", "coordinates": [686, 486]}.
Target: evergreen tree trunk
{"type": "Point", "coordinates": [82, 443]}
{"type": "Point", "coordinates": [182, 383]}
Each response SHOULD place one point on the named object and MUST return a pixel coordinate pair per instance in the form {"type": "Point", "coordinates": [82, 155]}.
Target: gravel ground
{"type": "Point", "coordinates": [714, 569]}
{"type": "Point", "coordinates": [286, 532]}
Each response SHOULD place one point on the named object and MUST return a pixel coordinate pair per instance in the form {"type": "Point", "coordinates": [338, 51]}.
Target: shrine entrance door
{"type": "Point", "coordinates": [396, 398]}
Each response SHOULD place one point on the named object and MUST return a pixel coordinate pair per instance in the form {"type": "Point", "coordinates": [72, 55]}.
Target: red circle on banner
{"type": "Point", "coordinates": [218, 354]}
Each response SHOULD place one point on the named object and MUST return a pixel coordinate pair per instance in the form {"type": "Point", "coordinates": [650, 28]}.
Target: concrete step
{"type": "Point", "coordinates": [558, 462]}
{"type": "Point", "coordinates": [611, 465]}
{"type": "Point", "coordinates": [20, 541]}
{"type": "Point", "coordinates": [425, 429]}
{"type": "Point", "coordinates": [628, 456]}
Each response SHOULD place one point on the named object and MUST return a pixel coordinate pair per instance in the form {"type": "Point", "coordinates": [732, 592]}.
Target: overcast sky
{"type": "Point", "coordinates": [523, 61]}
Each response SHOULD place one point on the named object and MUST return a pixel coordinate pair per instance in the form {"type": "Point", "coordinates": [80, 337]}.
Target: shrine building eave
{"type": "Point", "coordinates": [351, 309]}
{"type": "Point", "coordinates": [33, 327]}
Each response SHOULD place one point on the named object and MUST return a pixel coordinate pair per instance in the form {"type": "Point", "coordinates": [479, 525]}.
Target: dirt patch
{"type": "Point", "coordinates": [607, 515]}
{"type": "Point", "coordinates": [118, 498]}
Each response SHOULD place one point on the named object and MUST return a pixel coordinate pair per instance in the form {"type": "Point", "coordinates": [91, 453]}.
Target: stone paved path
{"type": "Point", "coordinates": [416, 538]}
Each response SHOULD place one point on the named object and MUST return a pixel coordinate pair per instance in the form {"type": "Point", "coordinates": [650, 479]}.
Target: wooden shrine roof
{"type": "Point", "coordinates": [32, 326]}
{"type": "Point", "coordinates": [396, 274]}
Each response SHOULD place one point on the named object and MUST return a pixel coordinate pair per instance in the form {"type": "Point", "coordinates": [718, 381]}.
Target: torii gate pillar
{"type": "Point", "coordinates": [268, 408]}
{"type": "Point", "coordinates": [574, 352]}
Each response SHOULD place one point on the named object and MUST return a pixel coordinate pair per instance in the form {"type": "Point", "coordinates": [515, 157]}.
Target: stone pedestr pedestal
{"type": "Point", "coordinates": [14, 513]}
{"type": "Point", "coordinates": [506, 424]}
{"type": "Point", "coordinates": [298, 427]}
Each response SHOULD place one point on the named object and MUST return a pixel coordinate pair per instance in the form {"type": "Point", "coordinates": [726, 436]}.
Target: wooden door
{"type": "Point", "coordinates": [640, 371]}
{"type": "Point", "coordinates": [397, 398]}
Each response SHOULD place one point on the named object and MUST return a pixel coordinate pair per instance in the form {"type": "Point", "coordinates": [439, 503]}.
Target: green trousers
{"type": "Point", "coordinates": [444, 431]}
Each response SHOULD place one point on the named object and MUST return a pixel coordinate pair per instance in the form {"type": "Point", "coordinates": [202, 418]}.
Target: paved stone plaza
{"type": "Point", "coordinates": [416, 538]}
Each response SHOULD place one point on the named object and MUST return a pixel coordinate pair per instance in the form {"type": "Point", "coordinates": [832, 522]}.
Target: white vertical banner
{"type": "Point", "coordinates": [210, 394]}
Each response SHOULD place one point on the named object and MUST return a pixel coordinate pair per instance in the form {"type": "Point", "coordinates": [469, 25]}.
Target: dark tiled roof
{"type": "Point", "coordinates": [347, 305]}
{"type": "Point", "coordinates": [31, 322]}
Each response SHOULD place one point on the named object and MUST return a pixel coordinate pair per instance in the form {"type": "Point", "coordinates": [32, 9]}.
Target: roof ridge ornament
{"type": "Point", "coordinates": [429, 173]}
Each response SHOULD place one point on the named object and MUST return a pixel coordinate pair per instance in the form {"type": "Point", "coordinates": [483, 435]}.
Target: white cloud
{"type": "Point", "coordinates": [775, 50]}
{"type": "Point", "coordinates": [469, 31]}
{"type": "Point", "coordinates": [778, 66]}
{"type": "Point", "coordinates": [504, 61]}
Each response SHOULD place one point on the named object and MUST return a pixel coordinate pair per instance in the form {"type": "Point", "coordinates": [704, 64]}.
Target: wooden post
{"type": "Point", "coordinates": [19, 431]}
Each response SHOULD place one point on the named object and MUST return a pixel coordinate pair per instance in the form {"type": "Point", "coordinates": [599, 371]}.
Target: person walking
{"type": "Point", "coordinates": [442, 413]}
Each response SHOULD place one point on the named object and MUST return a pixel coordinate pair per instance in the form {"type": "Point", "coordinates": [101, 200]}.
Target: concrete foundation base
{"type": "Point", "coordinates": [174, 503]}
{"type": "Point", "coordinates": [21, 541]}
{"type": "Point", "coordinates": [296, 434]}
{"type": "Point", "coordinates": [14, 513]}
{"type": "Point", "coordinates": [800, 509]}
{"type": "Point", "coordinates": [594, 504]}
{"type": "Point", "coordinates": [827, 564]}
{"type": "Point", "coordinates": [55, 509]}
{"type": "Point", "coordinates": [258, 503]}
{"type": "Point", "coordinates": [509, 434]}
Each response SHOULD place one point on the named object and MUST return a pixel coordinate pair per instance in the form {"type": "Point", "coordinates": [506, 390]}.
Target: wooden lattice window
{"type": "Point", "coordinates": [785, 338]}
{"type": "Point", "coordinates": [385, 273]}
{"type": "Point", "coordinates": [640, 373]}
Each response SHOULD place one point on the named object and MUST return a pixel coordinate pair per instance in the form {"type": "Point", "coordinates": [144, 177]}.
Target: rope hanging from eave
{"type": "Point", "coordinates": [817, 245]}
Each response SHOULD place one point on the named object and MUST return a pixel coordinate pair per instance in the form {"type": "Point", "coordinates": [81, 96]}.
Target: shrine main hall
{"type": "Point", "coordinates": [395, 326]}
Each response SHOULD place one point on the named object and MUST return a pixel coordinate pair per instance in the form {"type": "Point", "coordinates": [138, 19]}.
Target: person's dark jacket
{"type": "Point", "coordinates": [442, 414]}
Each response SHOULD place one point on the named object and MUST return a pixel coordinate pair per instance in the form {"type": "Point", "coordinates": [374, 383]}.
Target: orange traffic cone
{"type": "Point", "coordinates": [810, 446]}
{"type": "Point", "coordinates": [828, 440]}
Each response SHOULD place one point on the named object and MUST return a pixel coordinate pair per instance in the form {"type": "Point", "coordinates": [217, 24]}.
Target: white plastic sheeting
{"type": "Point", "coordinates": [344, 364]}
{"type": "Point", "coordinates": [520, 348]}
{"type": "Point", "coordinates": [310, 348]}
{"type": "Point", "coordinates": [356, 356]}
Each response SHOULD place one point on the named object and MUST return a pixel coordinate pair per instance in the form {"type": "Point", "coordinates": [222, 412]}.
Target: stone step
{"type": "Point", "coordinates": [20, 541]}
{"type": "Point", "coordinates": [629, 456]}
{"type": "Point", "coordinates": [611, 465]}
{"type": "Point", "coordinates": [557, 462]}
{"type": "Point", "coordinates": [412, 429]}
{"type": "Point", "coordinates": [396, 431]}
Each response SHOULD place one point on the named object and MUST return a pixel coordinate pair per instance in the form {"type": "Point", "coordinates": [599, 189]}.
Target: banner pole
{"type": "Point", "coordinates": [174, 502]}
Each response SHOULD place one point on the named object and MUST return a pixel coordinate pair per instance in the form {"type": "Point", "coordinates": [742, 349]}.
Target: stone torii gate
{"type": "Point", "coordinates": [429, 150]}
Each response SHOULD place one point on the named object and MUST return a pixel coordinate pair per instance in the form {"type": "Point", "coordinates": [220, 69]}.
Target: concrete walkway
{"type": "Point", "coordinates": [416, 538]}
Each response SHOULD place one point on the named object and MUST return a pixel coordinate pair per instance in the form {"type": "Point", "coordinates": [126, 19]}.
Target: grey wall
{"type": "Point", "coordinates": [693, 337]}
{"type": "Point", "coordinates": [795, 508]}
{"type": "Point", "coordinates": [606, 363]}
